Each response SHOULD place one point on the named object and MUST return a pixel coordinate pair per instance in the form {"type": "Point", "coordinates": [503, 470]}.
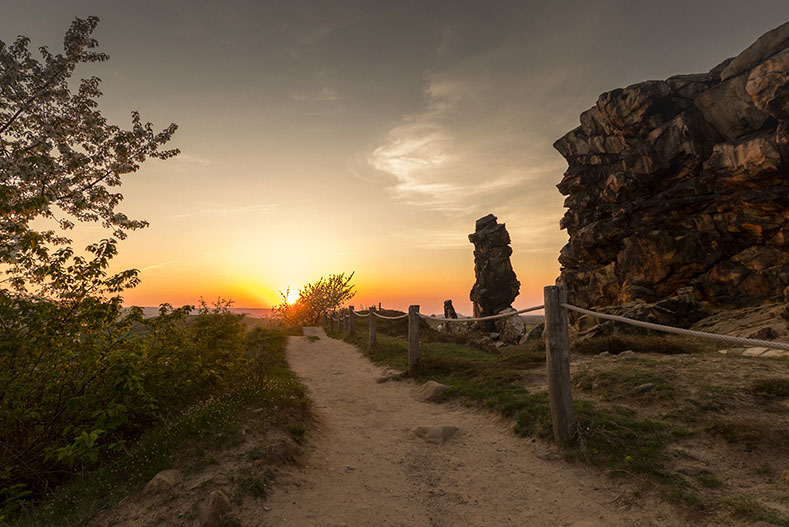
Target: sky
{"type": "Point", "coordinates": [322, 137]}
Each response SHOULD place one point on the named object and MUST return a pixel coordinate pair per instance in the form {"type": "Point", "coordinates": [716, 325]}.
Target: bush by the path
{"type": "Point", "coordinates": [80, 383]}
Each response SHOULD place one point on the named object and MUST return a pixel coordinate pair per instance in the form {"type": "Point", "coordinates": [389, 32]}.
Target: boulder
{"type": "Point", "coordinates": [211, 510]}
{"type": "Point", "coordinates": [510, 329]}
{"type": "Point", "coordinates": [496, 285]}
{"type": "Point", "coordinates": [534, 333]}
{"type": "Point", "coordinates": [431, 392]}
{"type": "Point", "coordinates": [449, 310]}
{"type": "Point", "coordinates": [434, 434]}
{"type": "Point", "coordinates": [768, 44]}
{"type": "Point", "coordinates": [162, 482]}
{"type": "Point", "coordinates": [681, 184]}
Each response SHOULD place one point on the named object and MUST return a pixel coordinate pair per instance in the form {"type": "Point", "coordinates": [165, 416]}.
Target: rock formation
{"type": "Point", "coordinates": [449, 310]}
{"type": "Point", "coordinates": [496, 285]}
{"type": "Point", "coordinates": [677, 190]}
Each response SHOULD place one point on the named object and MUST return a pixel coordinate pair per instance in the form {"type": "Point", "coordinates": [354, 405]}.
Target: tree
{"type": "Point", "coordinates": [326, 294]}
{"type": "Point", "coordinates": [69, 371]}
{"type": "Point", "coordinates": [59, 157]}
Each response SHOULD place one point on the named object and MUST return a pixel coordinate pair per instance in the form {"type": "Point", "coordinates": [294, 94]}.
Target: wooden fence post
{"type": "Point", "coordinates": [340, 322]}
{"type": "Point", "coordinates": [371, 316]}
{"type": "Point", "coordinates": [351, 321]}
{"type": "Point", "coordinates": [413, 338]}
{"type": "Point", "coordinates": [557, 358]}
{"type": "Point", "coordinates": [331, 318]}
{"type": "Point", "coordinates": [325, 320]}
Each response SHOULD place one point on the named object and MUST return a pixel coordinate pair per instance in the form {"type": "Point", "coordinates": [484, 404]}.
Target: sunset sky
{"type": "Point", "coordinates": [325, 136]}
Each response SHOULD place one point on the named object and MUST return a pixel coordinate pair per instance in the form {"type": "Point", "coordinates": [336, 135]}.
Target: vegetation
{"type": "Point", "coordinates": [60, 159]}
{"type": "Point", "coordinates": [327, 294]}
{"type": "Point", "coordinates": [94, 399]}
{"type": "Point", "coordinates": [183, 434]}
{"type": "Point", "coordinates": [639, 415]}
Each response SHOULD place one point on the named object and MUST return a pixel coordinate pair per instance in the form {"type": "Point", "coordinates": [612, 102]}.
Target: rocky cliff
{"type": "Point", "coordinates": [677, 190]}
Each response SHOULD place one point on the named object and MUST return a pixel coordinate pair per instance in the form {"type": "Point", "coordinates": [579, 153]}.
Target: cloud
{"type": "Point", "coordinates": [157, 266]}
{"type": "Point", "coordinates": [456, 156]}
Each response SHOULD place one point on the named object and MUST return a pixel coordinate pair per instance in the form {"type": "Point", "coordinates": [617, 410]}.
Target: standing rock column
{"type": "Point", "coordinates": [496, 286]}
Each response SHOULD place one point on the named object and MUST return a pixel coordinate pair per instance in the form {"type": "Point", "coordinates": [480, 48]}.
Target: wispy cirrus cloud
{"type": "Point", "coordinates": [158, 265]}
{"type": "Point", "coordinates": [450, 159]}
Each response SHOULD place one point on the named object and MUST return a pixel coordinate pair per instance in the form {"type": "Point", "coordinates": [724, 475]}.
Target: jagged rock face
{"type": "Point", "coordinates": [496, 286]}
{"type": "Point", "coordinates": [683, 183]}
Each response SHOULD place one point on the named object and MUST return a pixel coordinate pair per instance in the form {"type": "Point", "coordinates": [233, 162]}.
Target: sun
{"type": "Point", "coordinates": [292, 296]}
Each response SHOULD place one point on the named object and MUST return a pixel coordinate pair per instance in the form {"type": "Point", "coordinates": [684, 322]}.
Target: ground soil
{"type": "Point", "coordinates": [364, 466]}
{"type": "Point", "coordinates": [360, 464]}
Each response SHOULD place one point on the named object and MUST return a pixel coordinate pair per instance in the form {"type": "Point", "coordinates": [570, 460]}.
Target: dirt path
{"type": "Point", "coordinates": [365, 467]}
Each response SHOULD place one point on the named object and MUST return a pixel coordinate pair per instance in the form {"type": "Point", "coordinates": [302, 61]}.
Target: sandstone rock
{"type": "Point", "coordinates": [681, 185]}
{"type": "Point", "coordinates": [764, 333]}
{"type": "Point", "coordinates": [535, 333]}
{"type": "Point", "coordinates": [768, 44]}
{"type": "Point", "coordinates": [644, 388]}
{"type": "Point", "coordinates": [767, 85]}
{"type": "Point", "coordinates": [755, 351]}
{"type": "Point", "coordinates": [496, 285]}
{"type": "Point", "coordinates": [730, 109]}
{"type": "Point", "coordinates": [435, 434]}
{"type": "Point", "coordinates": [162, 482]}
{"type": "Point", "coordinates": [389, 375]}
{"type": "Point", "coordinates": [431, 392]}
{"type": "Point", "coordinates": [449, 310]}
{"type": "Point", "coordinates": [211, 510]}
{"type": "Point", "coordinates": [511, 329]}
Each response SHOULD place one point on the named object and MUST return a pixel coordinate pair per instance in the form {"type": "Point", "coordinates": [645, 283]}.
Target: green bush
{"type": "Point", "coordinates": [79, 380]}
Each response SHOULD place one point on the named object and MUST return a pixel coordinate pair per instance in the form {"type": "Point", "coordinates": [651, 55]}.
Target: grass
{"type": "Point", "coordinates": [621, 380]}
{"type": "Point", "coordinates": [625, 432]}
{"type": "Point", "coordinates": [616, 437]}
{"type": "Point", "coordinates": [749, 509]}
{"type": "Point", "coordinates": [186, 442]}
{"type": "Point", "coordinates": [617, 343]}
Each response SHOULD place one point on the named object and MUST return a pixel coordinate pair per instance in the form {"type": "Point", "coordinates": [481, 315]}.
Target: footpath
{"type": "Point", "coordinates": [364, 466]}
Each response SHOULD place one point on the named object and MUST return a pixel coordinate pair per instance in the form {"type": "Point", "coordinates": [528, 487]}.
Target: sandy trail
{"type": "Point", "coordinates": [364, 467]}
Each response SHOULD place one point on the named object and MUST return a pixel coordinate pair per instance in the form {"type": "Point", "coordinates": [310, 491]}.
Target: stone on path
{"type": "Point", "coordinates": [162, 482]}
{"type": "Point", "coordinates": [211, 509]}
{"type": "Point", "coordinates": [434, 434]}
{"type": "Point", "coordinates": [754, 352]}
{"type": "Point", "coordinates": [431, 392]}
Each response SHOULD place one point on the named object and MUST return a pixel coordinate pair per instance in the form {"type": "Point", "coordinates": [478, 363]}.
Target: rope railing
{"type": "Point", "coordinates": [557, 345]}
{"type": "Point", "coordinates": [360, 315]}
{"type": "Point", "coordinates": [679, 331]}
{"type": "Point", "coordinates": [388, 318]}
{"type": "Point", "coordinates": [480, 319]}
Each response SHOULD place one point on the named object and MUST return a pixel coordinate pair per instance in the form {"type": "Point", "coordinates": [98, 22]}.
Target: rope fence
{"type": "Point", "coordinates": [679, 331]}
{"type": "Point", "coordinates": [481, 319]}
{"type": "Point", "coordinates": [557, 344]}
{"type": "Point", "coordinates": [389, 318]}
